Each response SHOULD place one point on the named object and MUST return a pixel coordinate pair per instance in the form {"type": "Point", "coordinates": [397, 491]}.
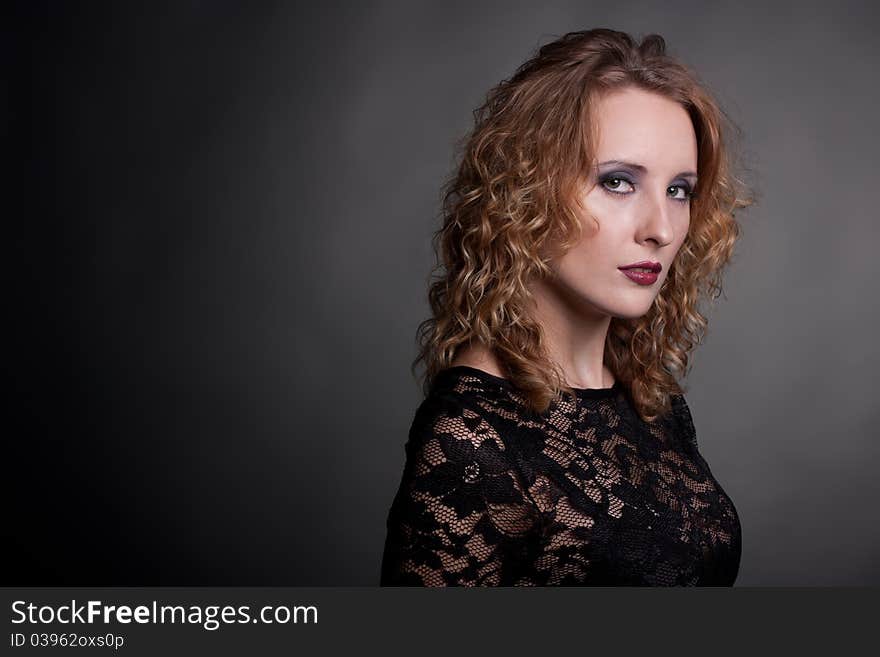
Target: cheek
{"type": "Point", "coordinates": [603, 243]}
{"type": "Point", "coordinates": [608, 222]}
{"type": "Point", "coordinates": [592, 261]}
{"type": "Point", "coordinates": [683, 231]}
{"type": "Point", "coordinates": [598, 208]}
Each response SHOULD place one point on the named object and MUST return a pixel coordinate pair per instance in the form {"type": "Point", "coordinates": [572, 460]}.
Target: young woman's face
{"type": "Point", "coordinates": [642, 214]}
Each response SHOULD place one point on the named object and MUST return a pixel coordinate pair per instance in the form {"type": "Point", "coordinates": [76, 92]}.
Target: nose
{"type": "Point", "coordinates": [655, 222]}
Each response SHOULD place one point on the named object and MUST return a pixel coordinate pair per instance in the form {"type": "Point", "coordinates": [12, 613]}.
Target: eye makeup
{"type": "Point", "coordinates": [616, 172]}
{"type": "Point", "coordinates": [638, 169]}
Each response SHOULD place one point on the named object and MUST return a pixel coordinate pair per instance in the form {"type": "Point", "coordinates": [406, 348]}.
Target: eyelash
{"type": "Point", "coordinates": [689, 194]}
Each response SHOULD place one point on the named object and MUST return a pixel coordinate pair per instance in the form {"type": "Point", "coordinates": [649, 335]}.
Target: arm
{"type": "Point", "coordinates": [460, 517]}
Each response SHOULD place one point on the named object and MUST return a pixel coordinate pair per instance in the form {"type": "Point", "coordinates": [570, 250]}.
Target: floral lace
{"type": "Point", "coordinates": [493, 494]}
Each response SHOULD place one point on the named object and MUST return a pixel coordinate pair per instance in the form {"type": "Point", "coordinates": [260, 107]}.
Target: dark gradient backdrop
{"type": "Point", "coordinates": [219, 220]}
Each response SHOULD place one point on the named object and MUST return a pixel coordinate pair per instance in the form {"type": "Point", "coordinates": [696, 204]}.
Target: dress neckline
{"type": "Point", "coordinates": [583, 393]}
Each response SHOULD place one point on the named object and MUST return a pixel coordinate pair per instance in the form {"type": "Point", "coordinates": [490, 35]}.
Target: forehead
{"type": "Point", "coordinates": [644, 127]}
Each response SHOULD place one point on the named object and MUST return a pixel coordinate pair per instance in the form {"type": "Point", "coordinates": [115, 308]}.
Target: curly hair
{"type": "Point", "coordinates": [511, 206]}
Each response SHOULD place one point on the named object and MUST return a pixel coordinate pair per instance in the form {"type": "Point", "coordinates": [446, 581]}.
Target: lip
{"type": "Point", "coordinates": [656, 267]}
{"type": "Point", "coordinates": [640, 277]}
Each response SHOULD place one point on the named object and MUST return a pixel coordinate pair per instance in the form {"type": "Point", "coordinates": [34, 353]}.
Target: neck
{"type": "Point", "coordinates": [574, 336]}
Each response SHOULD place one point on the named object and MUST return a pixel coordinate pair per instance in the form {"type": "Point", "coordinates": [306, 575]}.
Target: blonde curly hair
{"type": "Point", "coordinates": [511, 207]}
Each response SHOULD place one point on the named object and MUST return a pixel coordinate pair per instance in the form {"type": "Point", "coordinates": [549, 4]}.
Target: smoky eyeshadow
{"type": "Point", "coordinates": [618, 171]}
{"type": "Point", "coordinates": [632, 176]}
{"type": "Point", "coordinates": [682, 182]}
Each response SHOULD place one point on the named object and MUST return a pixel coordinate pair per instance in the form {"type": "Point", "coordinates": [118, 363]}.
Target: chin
{"type": "Point", "coordinates": [630, 316]}
{"type": "Point", "coordinates": [619, 308]}
{"type": "Point", "coordinates": [637, 308]}
{"type": "Point", "coordinates": [623, 304]}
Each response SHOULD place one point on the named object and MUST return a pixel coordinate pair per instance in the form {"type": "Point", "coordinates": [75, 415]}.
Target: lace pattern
{"type": "Point", "coordinates": [493, 494]}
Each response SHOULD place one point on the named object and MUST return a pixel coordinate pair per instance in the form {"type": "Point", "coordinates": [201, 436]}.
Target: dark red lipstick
{"type": "Point", "coordinates": [643, 273]}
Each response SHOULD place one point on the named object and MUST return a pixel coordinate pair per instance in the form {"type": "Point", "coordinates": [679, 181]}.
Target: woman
{"type": "Point", "coordinates": [592, 210]}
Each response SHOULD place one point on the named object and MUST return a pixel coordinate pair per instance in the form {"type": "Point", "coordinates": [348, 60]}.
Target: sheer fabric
{"type": "Point", "coordinates": [493, 494]}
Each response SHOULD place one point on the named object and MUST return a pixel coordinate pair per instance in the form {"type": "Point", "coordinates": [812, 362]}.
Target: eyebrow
{"type": "Point", "coordinates": [642, 169]}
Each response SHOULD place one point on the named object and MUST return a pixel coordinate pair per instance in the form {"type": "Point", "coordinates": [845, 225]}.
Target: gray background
{"type": "Point", "coordinates": [223, 255]}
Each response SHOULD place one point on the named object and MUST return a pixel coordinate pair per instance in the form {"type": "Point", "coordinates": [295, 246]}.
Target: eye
{"type": "Point", "coordinates": [613, 184]}
{"type": "Point", "coordinates": [617, 185]}
{"type": "Point", "coordinates": [686, 193]}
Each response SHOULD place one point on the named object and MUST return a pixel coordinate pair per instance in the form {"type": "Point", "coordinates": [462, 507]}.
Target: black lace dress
{"type": "Point", "coordinates": [589, 494]}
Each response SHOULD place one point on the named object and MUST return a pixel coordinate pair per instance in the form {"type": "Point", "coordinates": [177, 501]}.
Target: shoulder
{"type": "Point", "coordinates": [471, 385]}
{"type": "Point", "coordinates": [463, 420]}
{"type": "Point", "coordinates": [466, 395]}
{"type": "Point", "coordinates": [451, 420]}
